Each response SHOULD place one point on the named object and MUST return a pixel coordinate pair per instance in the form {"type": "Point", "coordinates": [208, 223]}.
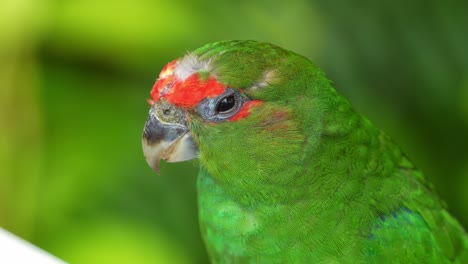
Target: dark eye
{"type": "Point", "coordinates": [221, 108]}
{"type": "Point", "coordinates": [226, 104]}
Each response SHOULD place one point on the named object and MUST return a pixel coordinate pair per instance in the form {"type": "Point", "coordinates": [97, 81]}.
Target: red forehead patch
{"type": "Point", "coordinates": [184, 93]}
{"type": "Point", "coordinates": [192, 90]}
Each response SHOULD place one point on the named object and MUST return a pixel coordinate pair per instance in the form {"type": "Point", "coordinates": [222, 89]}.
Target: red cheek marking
{"type": "Point", "coordinates": [191, 91]}
{"type": "Point", "coordinates": [245, 110]}
{"type": "Point", "coordinates": [150, 102]}
{"type": "Point", "coordinates": [278, 120]}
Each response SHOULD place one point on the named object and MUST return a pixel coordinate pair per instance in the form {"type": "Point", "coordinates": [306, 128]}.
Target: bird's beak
{"type": "Point", "coordinates": [166, 135]}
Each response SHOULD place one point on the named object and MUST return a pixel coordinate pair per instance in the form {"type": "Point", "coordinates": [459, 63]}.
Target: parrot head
{"type": "Point", "coordinates": [240, 107]}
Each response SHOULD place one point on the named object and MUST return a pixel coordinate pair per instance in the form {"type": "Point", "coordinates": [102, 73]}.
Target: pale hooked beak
{"type": "Point", "coordinates": [166, 136]}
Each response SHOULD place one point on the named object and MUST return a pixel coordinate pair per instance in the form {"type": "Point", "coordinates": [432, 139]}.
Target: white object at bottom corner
{"type": "Point", "coordinates": [14, 250]}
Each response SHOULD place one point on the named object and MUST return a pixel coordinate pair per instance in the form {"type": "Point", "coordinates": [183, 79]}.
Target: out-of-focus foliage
{"type": "Point", "coordinates": [74, 76]}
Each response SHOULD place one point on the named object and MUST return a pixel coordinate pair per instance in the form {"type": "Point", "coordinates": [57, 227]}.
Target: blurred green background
{"type": "Point", "coordinates": [75, 76]}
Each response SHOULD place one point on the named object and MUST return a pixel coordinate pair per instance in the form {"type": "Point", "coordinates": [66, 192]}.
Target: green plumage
{"type": "Point", "coordinates": [306, 179]}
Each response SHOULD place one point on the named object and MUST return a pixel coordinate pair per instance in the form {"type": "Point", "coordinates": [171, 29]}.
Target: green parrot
{"type": "Point", "coordinates": [289, 171]}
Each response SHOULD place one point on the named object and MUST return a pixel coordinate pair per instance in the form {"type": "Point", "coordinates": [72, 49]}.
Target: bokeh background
{"type": "Point", "coordinates": [75, 74]}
